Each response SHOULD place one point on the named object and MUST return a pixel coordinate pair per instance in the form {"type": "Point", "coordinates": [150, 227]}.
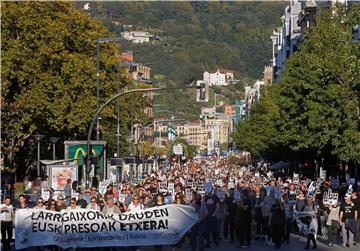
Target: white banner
{"type": "Point", "coordinates": [83, 228]}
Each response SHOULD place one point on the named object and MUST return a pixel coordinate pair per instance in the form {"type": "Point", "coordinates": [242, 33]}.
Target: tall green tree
{"type": "Point", "coordinates": [314, 111]}
{"type": "Point", "coordinates": [49, 75]}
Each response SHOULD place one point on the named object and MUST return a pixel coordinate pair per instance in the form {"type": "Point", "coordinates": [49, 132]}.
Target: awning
{"type": "Point", "coordinates": [281, 165]}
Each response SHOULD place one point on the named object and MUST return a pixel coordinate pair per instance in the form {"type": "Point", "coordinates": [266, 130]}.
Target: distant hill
{"type": "Point", "coordinates": [196, 36]}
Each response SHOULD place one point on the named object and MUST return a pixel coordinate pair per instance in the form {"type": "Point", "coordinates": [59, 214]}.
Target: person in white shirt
{"type": "Point", "coordinates": [40, 204]}
{"type": "Point", "coordinates": [92, 204]}
{"type": "Point", "coordinates": [135, 205]}
{"type": "Point", "coordinates": [6, 216]}
{"type": "Point", "coordinates": [72, 204]}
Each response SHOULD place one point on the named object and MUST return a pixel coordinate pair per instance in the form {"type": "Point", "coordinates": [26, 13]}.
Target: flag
{"type": "Point", "coordinates": [171, 132]}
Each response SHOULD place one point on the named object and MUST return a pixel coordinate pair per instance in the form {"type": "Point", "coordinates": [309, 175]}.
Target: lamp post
{"type": "Point", "coordinates": [118, 115]}
{"type": "Point", "coordinates": [215, 100]}
{"type": "Point", "coordinates": [98, 42]}
{"type": "Point", "coordinates": [54, 140]}
{"type": "Point", "coordinates": [12, 134]}
{"type": "Point", "coordinates": [38, 138]}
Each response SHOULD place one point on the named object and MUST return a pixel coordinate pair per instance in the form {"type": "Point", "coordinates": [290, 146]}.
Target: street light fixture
{"type": "Point", "coordinates": [12, 134]}
{"type": "Point", "coordinates": [54, 140]}
{"type": "Point", "coordinates": [99, 41]}
{"type": "Point", "coordinates": [38, 138]}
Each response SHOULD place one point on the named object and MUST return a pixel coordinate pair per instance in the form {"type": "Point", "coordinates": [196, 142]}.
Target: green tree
{"type": "Point", "coordinates": [48, 75]}
{"type": "Point", "coordinates": [313, 111]}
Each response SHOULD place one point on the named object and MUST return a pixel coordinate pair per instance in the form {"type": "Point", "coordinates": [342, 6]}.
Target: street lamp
{"type": "Point", "coordinates": [53, 141]}
{"type": "Point", "coordinates": [38, 138]}
{"type": "Point", "coordinates": [98, 42]}
{"type": "Point", "coordinates": [12, 134]}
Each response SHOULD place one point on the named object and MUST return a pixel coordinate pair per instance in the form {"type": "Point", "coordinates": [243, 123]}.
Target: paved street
{"type": "Point", "coordinates": [296, 244]}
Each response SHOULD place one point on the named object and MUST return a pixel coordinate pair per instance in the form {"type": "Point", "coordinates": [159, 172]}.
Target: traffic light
{"type": "Point", "coordinates": [356, 32]}
{"type": "Point", "coordinates": [202, 91]}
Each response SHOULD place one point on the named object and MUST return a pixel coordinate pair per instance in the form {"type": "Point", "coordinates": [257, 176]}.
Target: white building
{"type": "Point", "coordinates": [137, 36]}
{"type": "Point", "coordinates": [220, 77]}
{"type": "Point", "coordinates": [286, 38]}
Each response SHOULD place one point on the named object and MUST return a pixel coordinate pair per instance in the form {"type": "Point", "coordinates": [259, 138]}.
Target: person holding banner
{"type": "Point", "coordinates": [40, 204]}
{"type": "Point", "coordinates": [73, 204]}
{"type": "Point", "coordinates": [135, 205]}
{"type": "Point", "coordinates": [22, 202]}
{"type": "Point", "coordinates": [52, 205]}
{"type": "Point", "coordinates": [6, 221]}
{"type": "Point", "coordinates": [60, 205]}
{"type": "Point", "coordinates": [93, 205]}
{"type": "Point", "coordinates": [198, 230]}
{"type": "Point", "coordinates": [110, 207]}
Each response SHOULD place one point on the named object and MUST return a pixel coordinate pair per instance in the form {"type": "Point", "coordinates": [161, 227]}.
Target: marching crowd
{"type": "Point", "coordinates": [234, 204]}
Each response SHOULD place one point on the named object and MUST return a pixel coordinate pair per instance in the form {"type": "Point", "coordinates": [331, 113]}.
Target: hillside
{"type": "Point", "coordinates": [196, 36]}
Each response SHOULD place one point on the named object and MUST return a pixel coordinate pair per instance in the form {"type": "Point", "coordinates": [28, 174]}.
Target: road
{"type": "Point", "coordinates": [296, 244]}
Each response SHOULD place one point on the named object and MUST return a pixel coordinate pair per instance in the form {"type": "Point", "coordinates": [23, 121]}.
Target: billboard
{"type": "Point", "coordinates": [78, 150]}
{"type": "Point", "coordinates": [59, 174]}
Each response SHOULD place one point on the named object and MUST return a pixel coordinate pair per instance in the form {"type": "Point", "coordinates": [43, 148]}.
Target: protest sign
{"type": "Point", "coordinates": [163, 187]}
{"type": "Point", "coordinates": [278, 193]}
{"type": "Point", "coordinates": [207, 187]}
{"type": "Point", "coordinates": [103, 185]}
{"type": "Point", "coordinates": [84, 228]}
{"type": "Point", "coordinates": [221, 194]}
{"type": "Point", "coordinates": [171, 187]}
{"type": "Point", "coordinates": [296, 178]}
{"type": "Point", "coordinates": [237, 195]}
{"type": "Point", "coordinates": [330, 198]}
{"type": "Point", "coordinates": [122, 197]}
{"type": "Point", "coordinates": [188, 196]}
{"type": "Point", "coordinates": [322, 174]}
{"type": "Point", "coordinates": [292, 198]}
{"type": "Point", "coordinates": [45, 194]}
{"type": "Point", "coordinates": [195, 186]}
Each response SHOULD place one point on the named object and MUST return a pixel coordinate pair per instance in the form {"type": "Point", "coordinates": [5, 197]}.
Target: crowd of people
{"type": "Point", "coordinates": [234, 204]}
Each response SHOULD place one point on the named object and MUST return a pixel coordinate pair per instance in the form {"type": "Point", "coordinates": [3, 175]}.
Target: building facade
{"type": "Point", "coordinates": [219, 77]}
{"type": "Point", "coordinates": [137, 37]}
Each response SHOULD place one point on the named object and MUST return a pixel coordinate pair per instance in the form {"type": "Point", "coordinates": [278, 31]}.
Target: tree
{"type": "Point", "coordinates": [313, 111]}
{"type": "Point", "coordinates": [48, 74]}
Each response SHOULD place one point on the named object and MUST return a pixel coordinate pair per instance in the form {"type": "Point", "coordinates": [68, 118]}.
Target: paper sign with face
{"type": "Point", "coordinates": [163, 187]}
{"type": "Point", "coordinates": [45, 194]}
{"type": "Point", "coordinates": [278, 193]}
{"type": "Point", "coordinates": [171, 186]}
{"type": "Point", "coordinates": [237, 196]}
{"type": "Point", "coordinates": [221, 195]}
{"type": "Point", "coordinates": [231, 184]}
{"type": "Point", "coordinates": [292, 198]}
{"type": "Point", "coordinates": [350, 189]}
{"type": "Point", "coordinates": [207, 187]}
{"type": "Point", "coordinates": [122, 197]}
{"type": "Point", "coordinates": [188, 196]}
{"type": "Point", "coordinates": [296, 178]}
{"type": "Point", "coordinates": [102, 188]}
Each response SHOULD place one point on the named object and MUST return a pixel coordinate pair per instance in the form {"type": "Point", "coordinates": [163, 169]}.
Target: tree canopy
{"type": "Point", "coordinates": [314, 111]}
{"type": "Point", "coordinates": [49, 76]}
